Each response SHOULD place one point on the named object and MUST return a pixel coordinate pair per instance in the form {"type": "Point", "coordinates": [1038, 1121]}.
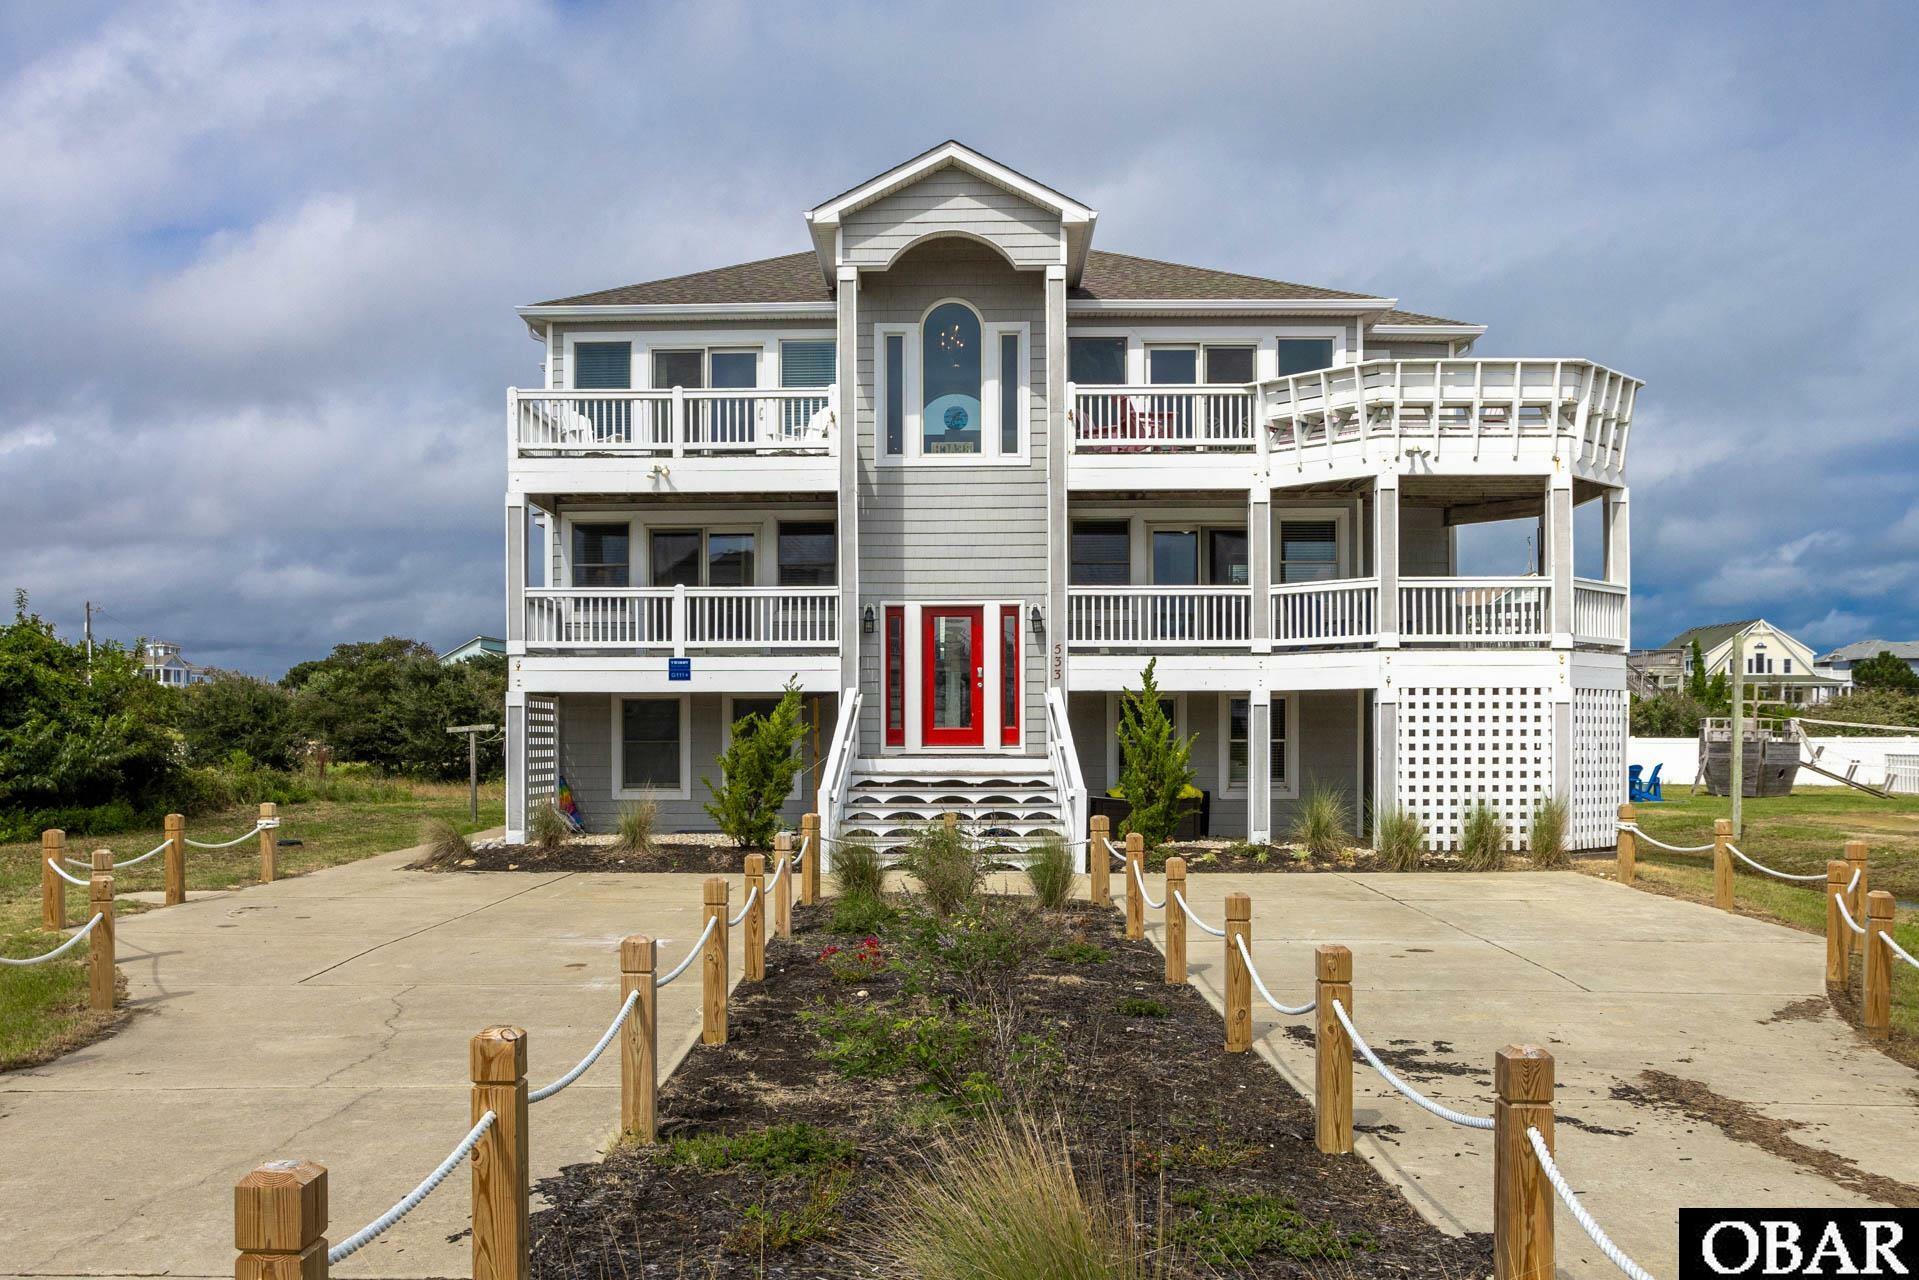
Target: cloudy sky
{"type": "Point", "coordinates": [259, 260]}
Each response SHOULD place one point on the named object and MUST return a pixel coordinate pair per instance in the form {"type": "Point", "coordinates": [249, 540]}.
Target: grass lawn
{"type": "Point", "coordinates": [43, 1008]}
{"type": "Point", "coordinates": [1797, 833]}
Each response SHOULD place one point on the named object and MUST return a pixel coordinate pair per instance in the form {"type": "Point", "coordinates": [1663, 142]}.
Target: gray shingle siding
{"type": "Point", "coordinates": [950, 200]}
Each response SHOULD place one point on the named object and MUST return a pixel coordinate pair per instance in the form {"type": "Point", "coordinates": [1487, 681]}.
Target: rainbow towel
{"type": "Point", "coordinates": [563, 801]}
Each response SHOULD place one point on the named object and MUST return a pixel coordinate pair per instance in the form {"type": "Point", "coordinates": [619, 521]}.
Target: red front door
{"type": "Point", "coordinates": [953, 713]}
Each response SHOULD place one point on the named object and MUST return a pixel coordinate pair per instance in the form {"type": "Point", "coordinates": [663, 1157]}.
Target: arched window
{"type": "Point", "coordinates": [951, 354]}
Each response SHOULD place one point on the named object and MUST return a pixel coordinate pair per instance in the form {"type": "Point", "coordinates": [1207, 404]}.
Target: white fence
{"type": "Point", "coordinates": [1470, 610]}
{"type": "Point", "coordinates": [682, 617]}
{"type": "Point", "coordinates": [1149, 617]}
{"type": "Point", "coordinates": [672, 423]}
{"type": "Point", "coordinates": [1316, 613]}
{"type": "Point", "coordinates": [1680, 758]}
{"type": "Point", "coordinates": [1160, 419]}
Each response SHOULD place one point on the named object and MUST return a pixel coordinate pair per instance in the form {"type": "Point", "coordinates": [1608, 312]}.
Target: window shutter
{"type": "Point", "coordinates": [806, 364]}
{"type": "Point", "coordinates": [602, 366]}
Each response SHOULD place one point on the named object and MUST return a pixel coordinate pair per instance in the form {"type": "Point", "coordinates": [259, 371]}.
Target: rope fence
{"type": "Point", "coordinates": [1544, 1155]}
{"type": "Point", "coordinates": [1386, 1074]}
{"type": "Point", "coordinates": [411, 1200]}
{"type": "Point", "coordinates": [592, 1055]}
{"type": "Point", "coordinates": [54, 878]}
{"type": "Point", "coordinates": [78, 937]}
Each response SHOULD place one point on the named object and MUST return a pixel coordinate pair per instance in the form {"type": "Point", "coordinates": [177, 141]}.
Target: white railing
{"type": "Point", "coordinates": [1167, 617]}
{"type": "Point", "coordinates": [1067, 779]}
{"type": "Point", "coordinates": [682, 618]}
{"type": "Point", "coordinates": [672, 423]}
{"type": "Point", "coordinates": [836, 774]}
{"type": "Point", "coordinates": [1472, 610]}
{"type": "Point", "coordinates": [1161, 419]}
{"type": "Point", "coordinates": [1599, 612]}
{"type": "Point", "coordinates": [1315, 613]}
{"type": "Point", "coordinates": [1472, 399]}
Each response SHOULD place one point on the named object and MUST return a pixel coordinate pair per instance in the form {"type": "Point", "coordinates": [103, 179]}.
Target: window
{"type": "Point", "coordinates": [675, 557]}
{"type": "Point", "coordinates": [1096, 361]}
{"type": "Point", "coordinates": [1303, 355]}
{"type": "Point", "coordinates": [740, 708]}
{"type": "Point", "coordinates": [895, 394]}
{"type": "Point", "coordinates": [1226, 557]}
{"type": "Point", "coordinates": [806, 364]}
{"type": "Point", "coordinates": [602, 366]}
{"type": "Point", "coordinates": [1175, 557]}
{"type": "Point", "coordinates": [1009, 675]}
{"type": "Point", "coordinates": [600, 555]}
{"type": "Point", "coordinates": [950, 381]}
{"type": "Point", "coordinates": [650, 744]}
{"type": "Point", "coordinates": [1009, 384]}
{"type": "Point", "coordinates": [807, 553]}
{"type": "Point", "coordinates": [1308, 550]}
{"type": "Point", "coordinates": [729, 559]}
{"type": "Point", "coordinates": [895, 675]}
{"type": "Point", "coordinates": [1172, 365]}
{"type": "Point", "coordinates": [1229, 364]}
{"type": "Point", "coordinates": [734, 368]}
{"type": "Point", "coordinates": [1786, 669]}
{"type": "Point", "coordinates": [1101, 554]}
{"type": "Point", "coordinates": [1237, 754]}
{"type": "Point", "coordinates": [679, 369]}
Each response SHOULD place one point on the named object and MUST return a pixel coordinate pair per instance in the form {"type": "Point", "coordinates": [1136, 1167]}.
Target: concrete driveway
{"type": "Point", "coordinates": [326, 1017]}
{"type": "Point", "coordinates": [1765, 1097]}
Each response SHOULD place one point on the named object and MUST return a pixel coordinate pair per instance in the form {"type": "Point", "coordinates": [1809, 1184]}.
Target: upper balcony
{"type": "Point", "coordinates": [1458, 416]}
{"type": "Point", "coordinates": [753, 440]}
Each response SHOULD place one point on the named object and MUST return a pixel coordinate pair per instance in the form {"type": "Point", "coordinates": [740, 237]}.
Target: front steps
{"type": "Point", "coordinates": [1001, 800]}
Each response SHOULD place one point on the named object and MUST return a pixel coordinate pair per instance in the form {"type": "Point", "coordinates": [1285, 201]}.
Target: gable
{"type": "Point", "coordinates": [951, 200]}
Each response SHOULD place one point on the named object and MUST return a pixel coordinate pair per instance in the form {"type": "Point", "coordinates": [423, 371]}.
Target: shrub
{"type": "Point", "coordinates": [1227, 1229]}
{"type": "Point", "coordinates": [857, 870]}
{"type": "Point", "coordinates": [546, 830]}
{"type": "Point", "coordinates": [947, 867]}
{"type": "Point", "coordinates": [1077, 951]}
{"type": "Point", "coordinates": [1319, 825]}
{"type": "Point", "coordinates": [854, 964]}
{"type": "Point", "coordinates": [764, 1230]}
{"type": "Point", "coordinates": [1051, 873]}
{"type": "Point", "coordinates": [1156, 764]}
{"type": "Point", "coordinates": [445, 843]}
{"type": "Point", "coordinates": [235, 712]}
{"type": "Point", "coordinates": [1003, 1201]}
{"type": "Point", "coordinates": [1671, 714]}
{"type": "Point", "coordinates": [637, 821]}
{"type": "Point", "coordinates": [756, 773]}
{"type": "Point", "coordinates": [1140, 1007]}
{"type": "Point", "coordinates": [1550, 823]}
{"type": "Point", "coordinates": [883, 1040]}
{"type": "Point", "coordinates": [862, 913]}
{"type": "Point", "coordinates": [782, 1150]}
{"type": "Point", "coordinates": [1482, 839]}
{"type": "Point", "coordinates": [388, 703]}
{"type": "Point", "coordinates": [1401, 838]}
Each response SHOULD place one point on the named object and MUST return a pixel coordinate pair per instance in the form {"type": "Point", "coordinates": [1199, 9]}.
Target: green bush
{"type": "Point", "coordinates": [1672, 714]}
{"type": "Point", "coordinates": [1551, 821]}
{"type": "Point", "coordinates": [1401, 838]}
{"type": "Point", "coordinates": [234, 712]}
{"type": "Point", "coordinates": [862, 913]}
{"type": "Point", "coordinates": [881, 1041]}
{"type": "Point", "coordinates": [1140, 1007]}
{"type": "Point", "coordinates": [1051, 873]}
{"type": "Point", "coordinates": [948, 868]}
{"type": "Point", "coordinates": [1077, 951]}
{"type": "Point", "coordinates": [546, 830]}
{"type": "Point", "coordinates": [637, 820]}
{"type": "Point", "coordinates": [763, 1230]}
{"type": "Point", "coordinates": [1228, 1229]}
{"type": "Point", "coordinates": [857, 870]}
{"type": "Point", "coordinates": [1482, 839]}
{"type": "Point", "coordinates": [780, 1151]}
{"type": "Point", "coordinates": [388, 703]}
{"type": "Point", "coordinates": [1156, 764]}
{"type": "Point", "coordinates": [756, 773]}
{"type": "Point", "coordinates": [1319, 824]}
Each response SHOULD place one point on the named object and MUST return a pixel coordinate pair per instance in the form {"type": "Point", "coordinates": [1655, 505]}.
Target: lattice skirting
{"type": "Point", "coordinates": [542, 749]}
{"type": "Point", "coordinates": [1462, 745]}
{"type": "Point", "coordinates": [1599, 765]}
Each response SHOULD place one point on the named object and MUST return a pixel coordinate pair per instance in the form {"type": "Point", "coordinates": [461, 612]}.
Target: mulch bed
{"type": "Point", "coordinates": [703, 854]}
{"type": "Point", "coordinates": [1238, 856]}
{"type": "Point", "coordinates": [1159, 1120]}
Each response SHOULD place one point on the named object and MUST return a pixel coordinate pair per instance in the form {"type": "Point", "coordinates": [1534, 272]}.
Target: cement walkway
{"type": "Point", "coordinates": [325, 1017]}
{"type": "Point", "coordinates": [1614, 982]}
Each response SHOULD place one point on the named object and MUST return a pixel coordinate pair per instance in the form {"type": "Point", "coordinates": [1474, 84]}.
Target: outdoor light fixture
{"type": "Point", "coordinates": [866, 621]}
{"type": "Point", "coordinates": [1039, 622]}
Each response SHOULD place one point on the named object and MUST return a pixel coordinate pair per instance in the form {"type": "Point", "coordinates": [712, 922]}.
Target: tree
{"type": "Point", "coordinates": [1885, 672]}
{"type": "Point", "coordinates": [233, 712]}
{"type": "Point", "coordinates": [1671, 714]}
{"type": "Point", "coordinates": [1698, 679]}
{"type": "Point", "coordinates": [388, 703]}
{"type": "Point", "coordinates": [757, 771]}
{"type": "Point", "coordinates": [1156, 764]}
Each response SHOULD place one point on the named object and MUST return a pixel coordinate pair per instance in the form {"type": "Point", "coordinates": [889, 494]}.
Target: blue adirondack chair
{"type": "Point", "coordinates": [1649, 792]}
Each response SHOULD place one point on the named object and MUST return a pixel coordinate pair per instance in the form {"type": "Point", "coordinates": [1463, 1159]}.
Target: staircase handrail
{"type": "Point", "coordinates": [1067, 779]}
{"type": "Point", "coordinates": [836, 773]}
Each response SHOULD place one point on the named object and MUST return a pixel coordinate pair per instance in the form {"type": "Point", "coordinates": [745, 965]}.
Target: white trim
{"type": "Point", "coordinates": [618, 773]}
{"type": "Point", "coordinates": [1429, 331]}
{"type": "Point", "coordinates": [1288, 788]}
{"type": "Point", "coordinates": [957, 155]}
{"type": "Point", "coordinates": [913, 341]}
{"type": "Point", "coordinates": [1230, 306]}
{"type": "Point", "coordinates": [644, 342]}
{"type": "Point", "coordinates": [680, 311]}
{"type": "Point", "coordinates": [1344, 552]}
{"type": "Point", "coordinates": [1263, 338]}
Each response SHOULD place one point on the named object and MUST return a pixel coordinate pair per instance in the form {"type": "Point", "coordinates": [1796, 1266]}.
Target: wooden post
{"type": "Point", "coordinates": [176, 860]}
{"type": "Point", "coordinates": [1332, 1050]}
{"type": "Point", "coordinates": [1099, 863]}
{"type": "Point", "coordinates": [1838, 937]}
{"type": "Point", "coordinates": [783, 889]}
{"type": "Point", "coordinates": [754, 943]}
{"type": "Point", "coordinates": [1628, 846]}
{"type": "Point", "coordinates": [1239, 979]}
{"type": "Point", "coordinates": [811, 849]}
{"type": "Point", "coordinates": [1856, 859]}
{"type": "Point", "coordinates": [1135, 896]}
{"type": "Point", "coordinates": [1522, 1197]}
{"type": "Point", "coordinates": [269, 842]}
{"type": "Point", "coordinates": [53, 890]}
{"type": "Point", "coordinates": [713, 964]}
{"type": "Point", "coordinates": [951, 820]}
{"type": "Point", "coordinates": [1878, 995]}
{"type": "Point", "coordinates": [639, 1039]}
{"type": "Point", "coordinates": [279, 1222]}
{"type": "Point", "coordinates": [100, 945]}
{"type": "Point", "coordinates": [1176, 926]}
{"type": "Point", "coordinates": [497, 1057]}
{"type": "Point", "coordinates": [1721, 864]}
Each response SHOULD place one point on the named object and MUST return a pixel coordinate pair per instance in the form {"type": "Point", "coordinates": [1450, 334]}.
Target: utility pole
{"type": "Point", "coordinates": [1738, 760]}
{"type": "Point", "coordinates": [89, 631]}
{"type": "Point", "coordinates": [472, 732]}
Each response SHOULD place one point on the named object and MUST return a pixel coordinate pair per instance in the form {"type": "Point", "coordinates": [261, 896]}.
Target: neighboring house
{"type": "Point", "coordinates": [959, 475]}
{"type": "Point", "coordinates": [1838, 663]}
{"type": "Point", "coordinates": [472, 649]}
{"type": "Point", "coordinates": [162, 662]}
{"type": "Point", "coordinates": [1654, 671]}
{"type": "Point", "coordinates": [1777, 667]}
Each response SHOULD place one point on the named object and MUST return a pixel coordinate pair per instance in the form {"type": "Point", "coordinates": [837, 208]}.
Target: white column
{"type": "Point", "coordinates": [516, 574]}
{"type": "Point", "coordinates": [1619, 553]}
{"type": "Point", "coordinates": [847, 355]}
{"type": "Point", "coordinates": [1559, 544]}
{"type": "Point", "coordinates": [1386, 556]}
{"type": "Point", "coordinates": [1259, 565]}
{"type": "Point", "coordinates": [1385, 753]}
{"type": "Point", "coordinates": [1259, 766]}
{"type": "Point", "coordinates": [515, 757]}
{"type": "Point", "coordinates": [1058, 458]}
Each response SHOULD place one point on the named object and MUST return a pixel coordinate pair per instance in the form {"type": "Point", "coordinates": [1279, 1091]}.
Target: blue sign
{"type": "Point", "coordinates": [679, 668]}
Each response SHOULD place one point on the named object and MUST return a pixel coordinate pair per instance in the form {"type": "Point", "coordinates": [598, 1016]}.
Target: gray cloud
{"type": "Point", "coordinates": [260, 261]}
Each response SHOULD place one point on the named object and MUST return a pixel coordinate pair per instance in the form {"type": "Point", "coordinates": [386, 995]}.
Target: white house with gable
{"type": "Point", "coordinates": [959, 475]}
